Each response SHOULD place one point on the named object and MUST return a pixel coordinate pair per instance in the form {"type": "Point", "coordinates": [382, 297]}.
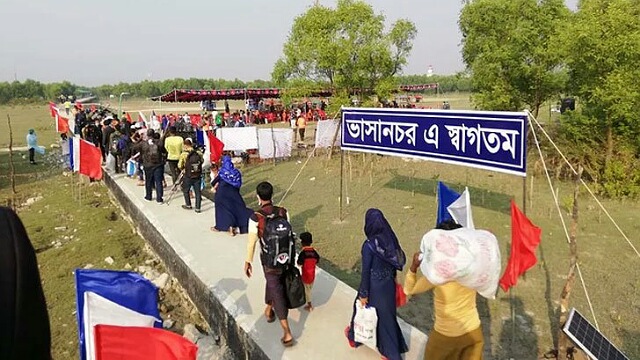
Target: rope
{"type": "Point", "coordinates": [564, 225]}
{"type": "Point", "coordinates": [297, 176]}
{"type": "Point", "coordinates": [586, 186]}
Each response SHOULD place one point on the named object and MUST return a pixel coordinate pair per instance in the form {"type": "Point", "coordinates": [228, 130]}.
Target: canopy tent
{"type": "Point", "coordinates": [184, 95]}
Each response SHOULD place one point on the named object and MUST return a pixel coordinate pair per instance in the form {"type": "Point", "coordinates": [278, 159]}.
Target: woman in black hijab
{"type": "Point", "coordinates": [24, 322]}
{"type": "Point", "coordinates": [382, 257]}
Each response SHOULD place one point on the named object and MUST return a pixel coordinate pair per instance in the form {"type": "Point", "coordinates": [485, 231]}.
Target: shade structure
{"type": "Point", "coordinates": [185, 95]}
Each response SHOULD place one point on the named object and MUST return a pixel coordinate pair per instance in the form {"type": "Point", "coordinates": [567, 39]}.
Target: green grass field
{"type": "Point", "coordinates": [406, 192]}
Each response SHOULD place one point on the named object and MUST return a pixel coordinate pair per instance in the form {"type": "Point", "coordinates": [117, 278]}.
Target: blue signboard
{"type": "Point", "coordinates": [491, 140]}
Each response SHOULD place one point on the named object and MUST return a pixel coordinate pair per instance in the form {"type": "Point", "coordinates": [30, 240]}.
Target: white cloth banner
{"type": "Point", "coordinates": [101, 311]}
{"type": "Point", "coordinates": [283, 140]}
{"type": "Point", "coordinates": [238, 139]}
{"type": "Point", "coordinates": [460, 210]}
{"type": "Point", "coordinates": [325, 131]}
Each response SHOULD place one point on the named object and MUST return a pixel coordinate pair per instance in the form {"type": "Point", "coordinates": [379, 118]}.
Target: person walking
{"type": "Point", "coordinates": [173, 145]}
{"type": "Point", "coordinates": [32, 145]}
{"type": "Point", "coordinates": [190, 164]}
{"type": "Point", "coordinates": [457, 332]}
{"type": "Point", "coordinates": [153, 166]}
{"type": "Point", "coordinates": [230, 208]}
{"type": "Point", "coordinates": [302, 125]}
{"type": "Point", "coordinates": [308, 260]}
{"type": "Point", "coordinates": [275, 296]}
{"type": "Point", "coordinates": [382, 257]}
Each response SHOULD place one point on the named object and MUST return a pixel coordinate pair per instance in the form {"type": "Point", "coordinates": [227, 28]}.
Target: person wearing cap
{"type": "Point", "coordinates": [173, 145]}
{"type": "Point", "coordinates": [32, 145]}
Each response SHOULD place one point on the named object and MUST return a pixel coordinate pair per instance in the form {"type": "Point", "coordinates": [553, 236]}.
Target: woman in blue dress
{"type": "Point", "coordinates": [231, 210]}
{"type": "Point", "coordinates": [382, 257]}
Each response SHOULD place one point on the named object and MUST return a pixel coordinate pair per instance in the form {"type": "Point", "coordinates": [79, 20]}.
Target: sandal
{"type": "Point", "coordinates": [213, 228]}
{"type": "Point", "coordinates": [272, 316]}
{"type": "Point", "coordinates": [288, 343]}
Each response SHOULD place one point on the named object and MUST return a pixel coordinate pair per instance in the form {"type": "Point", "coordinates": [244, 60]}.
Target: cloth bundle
{"type": "Point", "coordinates": [470, 257]}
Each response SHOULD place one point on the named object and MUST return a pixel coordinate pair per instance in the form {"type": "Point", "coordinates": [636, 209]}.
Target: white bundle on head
{"type": "Point", "coordinates": [470, 257]}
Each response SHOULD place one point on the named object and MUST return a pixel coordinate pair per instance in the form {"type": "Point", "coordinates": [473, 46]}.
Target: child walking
{"type": "Point", "coordinates": [308, 259]}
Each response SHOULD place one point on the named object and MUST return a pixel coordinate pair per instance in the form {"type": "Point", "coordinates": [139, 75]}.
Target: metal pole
{"type": "Point", "coordinates": [341, 180]}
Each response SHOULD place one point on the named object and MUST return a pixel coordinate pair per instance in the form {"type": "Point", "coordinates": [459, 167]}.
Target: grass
{"type": "Point", "coordinates": [406, 193]}
{"type": "Point", "coordinates": [23, 118]}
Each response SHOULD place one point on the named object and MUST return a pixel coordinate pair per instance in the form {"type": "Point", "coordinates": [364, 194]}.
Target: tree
{"type": "Point", "coordinates": [510, 47]}
{"type": "Point", "coordinates": [345, 48]}
{"type": "Point", "coordinates": [603, 52]}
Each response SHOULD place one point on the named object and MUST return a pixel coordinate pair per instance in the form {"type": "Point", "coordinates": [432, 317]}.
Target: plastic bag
{"type": "Point", "coordinates": [470, 257]}
{"type": "Point", "coordinates": [110, 163]}
{"type": "Point", "coordinates": [401, 297]}
{"type": "Point", "coordinates": [40, 150]}
{"type": "Point", "coordinates": [365, 324]}
{"type": "Point", "coordinates": [132, 167]}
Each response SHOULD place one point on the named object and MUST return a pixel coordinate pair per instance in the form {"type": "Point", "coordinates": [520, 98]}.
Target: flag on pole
{"type": "Point", "coordinates": [200, 138]}
{"type": "Point", "coordinates": [525, 238]}
{"type": "Point", "coordinates": [112, 295]}
{"type": "Point", "coordinates": [128, 116]}
{"type": "Point", "coordinates": [86, 158]}
{"type": "Point", "coordinates": [99, 310]}
{"type": "Point", "coordinates": [62, 123]}
{"type": "Point", "coordinates": [53, 109]}
{"type": "Point", "coordinates": [460, 210]}
{"type": "Point", "coordinates": [141, 343]}
{"type": "Point", "coordinates": [446, 197]}
{"type": "Point", "coordinates": [216, 147]}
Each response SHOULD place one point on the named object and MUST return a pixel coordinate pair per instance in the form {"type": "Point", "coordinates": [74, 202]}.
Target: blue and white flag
{"type": "Point", "coordinates": [120, 298]}
{"type": "Point", "coordinates": [460, 210]}
{"type": "Point", "coordinates": [446, 197]}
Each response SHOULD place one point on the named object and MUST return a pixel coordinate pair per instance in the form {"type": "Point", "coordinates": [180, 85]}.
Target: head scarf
{"type": "Point", "coordinates": [382, 240]}
{"type": "Point", "coordinates": [24, 322]}
{"type": "Point", "coordinates": [229, 174]}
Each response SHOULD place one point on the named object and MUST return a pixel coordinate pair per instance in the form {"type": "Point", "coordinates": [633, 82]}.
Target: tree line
{"type": "Point", "coordinates": [34, 91]}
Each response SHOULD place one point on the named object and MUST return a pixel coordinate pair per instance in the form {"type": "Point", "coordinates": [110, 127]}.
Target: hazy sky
{"type": "Point", "coordinates": [97, 42]}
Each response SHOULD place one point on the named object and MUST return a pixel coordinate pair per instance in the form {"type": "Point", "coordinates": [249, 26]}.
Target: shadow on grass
{"type": "Point", "coordinates": [518, 339]}
{"type": "Point", "coordinates": [552, 311]}
{"type": "Point", "coordinates": [479, 197]}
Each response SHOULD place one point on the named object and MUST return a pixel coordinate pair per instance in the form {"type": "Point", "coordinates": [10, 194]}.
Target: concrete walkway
{"type": "Point", "coordinates": [217, 259]}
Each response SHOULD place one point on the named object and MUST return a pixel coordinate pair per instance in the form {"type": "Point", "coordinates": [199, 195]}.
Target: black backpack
{"type": "Point", "coordinates": [294, 288]}
{"type": "Point", "coordinates": [115, 140]}
{"type": "Point", "coordinates": [153, 153]}
{"type": "Point", "coordinates": [193, 165]}
{"type": "Point", "coordinates": [276, 239]}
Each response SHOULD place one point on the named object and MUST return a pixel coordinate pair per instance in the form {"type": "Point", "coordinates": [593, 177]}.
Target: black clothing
{"type": "Point", "coordinates": [24, 321]}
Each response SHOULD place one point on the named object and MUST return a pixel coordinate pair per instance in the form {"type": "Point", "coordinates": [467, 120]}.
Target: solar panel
{"type": "Point", "coordinates": [589, 339]}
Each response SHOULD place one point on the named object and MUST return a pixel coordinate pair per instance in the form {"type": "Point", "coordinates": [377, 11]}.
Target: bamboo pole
{"type": "Point", "coordinates": [563, 342]}
{"type": "Point", "coordinates": [12, 170]}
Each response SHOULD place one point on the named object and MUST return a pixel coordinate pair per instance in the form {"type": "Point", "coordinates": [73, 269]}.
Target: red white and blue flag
{"type": "Point", "coordinates": [118, 318]}
{"type": "Point", "coordinates": [85, 158]}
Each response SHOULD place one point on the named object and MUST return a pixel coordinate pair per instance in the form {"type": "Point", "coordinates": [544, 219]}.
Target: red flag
{"type": "Point", "coordinates": [53, 109]}
{"type": "Point", "coordinates": [141, 343]}
{"type": "Point", "coordinates": [216, 147]}
{"type": "Point", "coordinates": [525, 237]}
{"type": "Point", "coordinates": [93, 108]}
{"type": "Point", "coordinates": [62, 124]}
{"type": "Point", "coordinates": [128, 118]}
{"type": "Point", "coordinates": [90, 160]}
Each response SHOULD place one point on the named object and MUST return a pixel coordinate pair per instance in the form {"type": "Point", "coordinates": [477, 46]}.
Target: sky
{"type": "Point", "coordinates": [105, 42]}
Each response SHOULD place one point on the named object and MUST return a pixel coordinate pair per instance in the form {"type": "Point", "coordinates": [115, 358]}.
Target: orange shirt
{"type": "Point", "coordinates": [302, 122]}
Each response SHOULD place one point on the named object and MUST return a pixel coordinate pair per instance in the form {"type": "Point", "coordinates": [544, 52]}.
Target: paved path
{"type": "Point", "coordinates": [217, 259]}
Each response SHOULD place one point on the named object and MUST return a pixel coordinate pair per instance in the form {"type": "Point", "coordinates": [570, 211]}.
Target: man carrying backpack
{"type": "Point", "coordinates": [271, 226]}
{"type": "Point", "coordinates": [153, 166]}
{"type": "Point", "coordinates": [190, 163]}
